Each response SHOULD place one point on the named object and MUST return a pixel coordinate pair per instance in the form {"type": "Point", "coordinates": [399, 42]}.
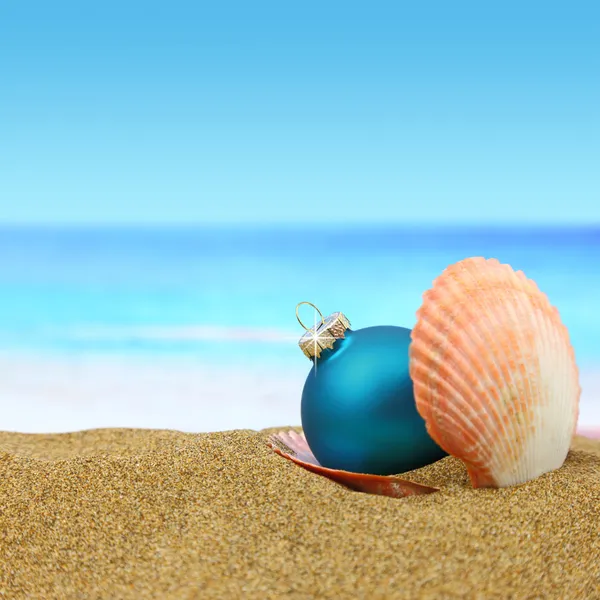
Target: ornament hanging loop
{"type": "Point", "coordinates": [310, 304]}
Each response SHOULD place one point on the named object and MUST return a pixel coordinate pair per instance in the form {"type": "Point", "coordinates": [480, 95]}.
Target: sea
{"type": "Point", "coordinates": [195, 328]}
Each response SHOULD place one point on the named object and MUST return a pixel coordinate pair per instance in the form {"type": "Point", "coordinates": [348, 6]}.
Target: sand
{"type": "Point", "coordinates": [121, 513]}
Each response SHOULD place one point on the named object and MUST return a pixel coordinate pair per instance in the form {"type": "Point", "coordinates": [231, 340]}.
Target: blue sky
{"type": "Point", "coordinates": [203, 112]}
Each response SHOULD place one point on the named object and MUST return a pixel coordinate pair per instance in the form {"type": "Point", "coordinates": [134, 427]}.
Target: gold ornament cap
{"type": "Point", "coordinates": [324, 334]}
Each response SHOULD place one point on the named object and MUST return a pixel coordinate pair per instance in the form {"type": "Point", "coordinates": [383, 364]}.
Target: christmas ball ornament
{"type": "Point", "coordinates": [358, 408]}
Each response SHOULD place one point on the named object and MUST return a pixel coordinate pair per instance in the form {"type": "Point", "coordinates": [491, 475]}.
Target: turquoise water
{"type": "Point", "coordinates": [202, 290]}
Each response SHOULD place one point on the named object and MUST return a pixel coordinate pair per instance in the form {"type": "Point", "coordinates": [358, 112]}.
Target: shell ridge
{"type": "Point", "coordinates": [476, 328]}
{"type": "Point", "coordinates": [488, 300]}
{"type": "Point", "coordinates": [445, 382]}
{"type": "Point", "coordinates": [456, 418]}
{"type": "Point", "coordinates": [512, 383]}
{"type": "Point", "coordinates": [458, 289]}
{"type": "Point", "coordinates": [524, 419]}
{"type": "Point", "coordinates": [518, 306]}
{"type": "Point", "coordinates": [439, 388]}
{"type": "Point", "coordinates": [493, 295]}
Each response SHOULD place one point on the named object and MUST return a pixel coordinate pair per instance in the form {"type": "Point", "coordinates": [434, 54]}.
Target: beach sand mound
{"type": "Point", "coordinates": [121, 513]}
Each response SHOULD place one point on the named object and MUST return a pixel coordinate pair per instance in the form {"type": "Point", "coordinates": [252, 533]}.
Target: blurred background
{"type": "Point", "coordinates": [176, 177]}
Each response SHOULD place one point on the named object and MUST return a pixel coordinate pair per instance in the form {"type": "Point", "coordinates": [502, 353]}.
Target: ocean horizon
{"type": "Point", "coordinates": [203, 318]}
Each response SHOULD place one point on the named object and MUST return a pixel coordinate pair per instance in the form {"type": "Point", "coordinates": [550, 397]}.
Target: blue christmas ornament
{"type": "Point", "coordinates": [358, 408]}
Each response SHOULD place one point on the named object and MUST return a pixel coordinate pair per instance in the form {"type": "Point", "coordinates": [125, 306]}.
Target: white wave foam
{"type": "Point", "coordinates": [58, 394]}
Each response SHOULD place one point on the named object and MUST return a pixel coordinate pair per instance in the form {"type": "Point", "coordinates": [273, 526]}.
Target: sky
{"type": "Point", "coordinates": [259, 112]}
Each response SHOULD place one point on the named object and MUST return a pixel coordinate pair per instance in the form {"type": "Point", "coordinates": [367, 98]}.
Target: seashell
{"type": "Point", "coordinates": [383, 485]}
{"type": "Point", "coordinates": [494, 373]}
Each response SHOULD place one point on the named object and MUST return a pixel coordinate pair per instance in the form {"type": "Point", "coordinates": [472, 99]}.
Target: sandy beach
{"type": "Point", "coordinates": [125, 513]}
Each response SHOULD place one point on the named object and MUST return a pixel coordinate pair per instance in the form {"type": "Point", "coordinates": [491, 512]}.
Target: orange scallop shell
{"type": "Point", "coordinates": [494, 373]}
